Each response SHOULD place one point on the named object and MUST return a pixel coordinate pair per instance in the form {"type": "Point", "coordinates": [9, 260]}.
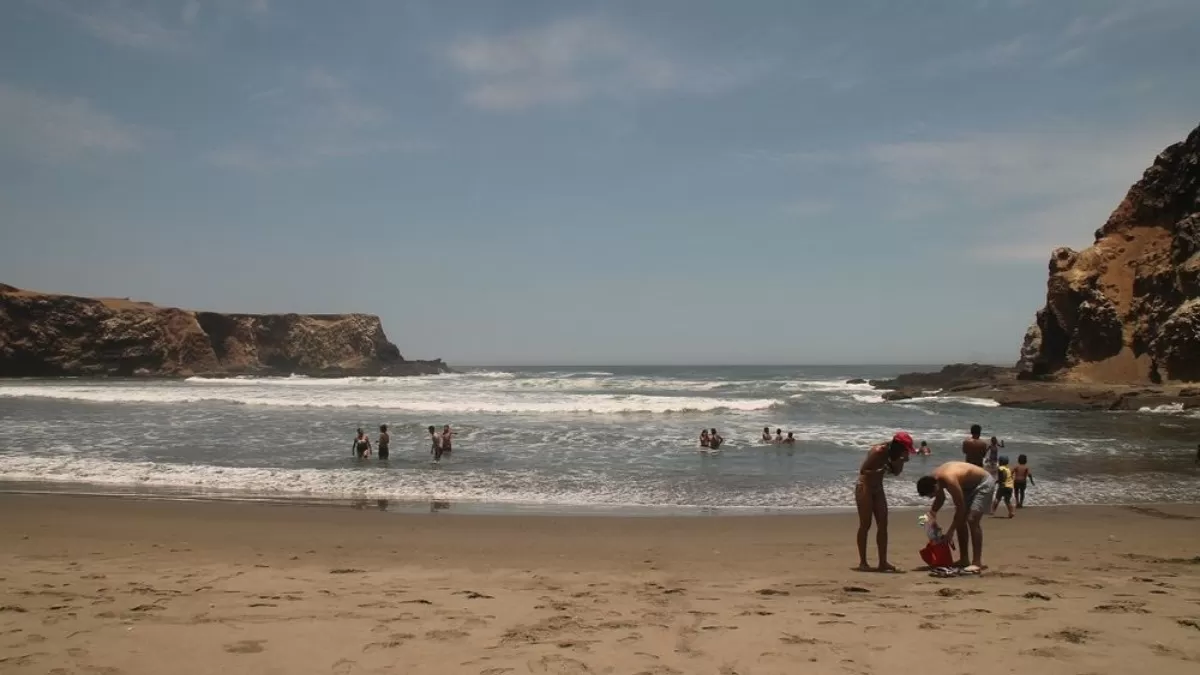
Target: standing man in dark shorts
{"type": "Point", "coordinates": [971, 488]}
{"type": "Point", "coordinates": [385, 439]}
{"type": "Point", "coordinates": [436, 447]}
{"type": "Point", "coordinates": [974, 449]}
{"type": "Point", "coordinates": [447, 440]}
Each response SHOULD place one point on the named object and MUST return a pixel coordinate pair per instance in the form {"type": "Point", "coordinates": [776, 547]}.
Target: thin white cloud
{"type": "Point", "coordinates": [191, 10]}
{"type": "Point", "coordinates": [127, 24]}
{"type": "Point", "coordinates": [47, 129]}
{"type": "Point", "coordinates": [147, 25]}
{"type": "Point", "coordinates": [1026, 193]}
{"type": "Point", "coordinates": [318, 118]}
{"type": "Point", "coordinates": [1018, 195]}
{"type": "Point", "coordinates": [573, 60]}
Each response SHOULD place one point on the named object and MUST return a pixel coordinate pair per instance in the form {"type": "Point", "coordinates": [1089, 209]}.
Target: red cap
{"type": "Point", "coordinates": [904, 439]}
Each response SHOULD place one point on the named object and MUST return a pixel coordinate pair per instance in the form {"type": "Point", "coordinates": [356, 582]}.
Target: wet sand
{"type": "Point", "coordinates": [95, 585]}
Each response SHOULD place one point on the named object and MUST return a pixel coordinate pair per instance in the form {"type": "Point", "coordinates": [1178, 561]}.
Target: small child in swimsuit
{"type": "Point", "coordinates": [1021, 474]}
{"type": "Point", "coordinates": [1004, 478]}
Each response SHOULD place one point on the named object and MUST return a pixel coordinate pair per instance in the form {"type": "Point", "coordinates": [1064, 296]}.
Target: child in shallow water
{"type": "Point", "coordinates": [1004, 479]}
{"type": "Point", "coordinates": [1022, 474]}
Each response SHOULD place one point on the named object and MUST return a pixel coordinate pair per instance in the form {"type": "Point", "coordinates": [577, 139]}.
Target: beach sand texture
{"type": "Point", "coordinates": [104, 586]}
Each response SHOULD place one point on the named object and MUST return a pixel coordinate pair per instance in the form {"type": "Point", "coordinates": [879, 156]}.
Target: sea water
{"type": "Point", "coordinates": [560, 439]}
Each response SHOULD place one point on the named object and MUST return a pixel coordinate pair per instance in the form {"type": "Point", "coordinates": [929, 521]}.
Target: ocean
{"type": "Point", "coordinates": [587, 440]}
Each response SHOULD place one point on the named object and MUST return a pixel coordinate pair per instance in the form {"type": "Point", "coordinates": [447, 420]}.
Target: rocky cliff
{"type": "Point", "coordinates": [1126, 310]}
{"type": "Point", "coordinates": [44, 335]}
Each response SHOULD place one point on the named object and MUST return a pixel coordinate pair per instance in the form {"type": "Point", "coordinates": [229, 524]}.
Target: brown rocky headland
{"type": "Point", "coordinates": [1120, 329]}
{"type": "Point", "coordinates": [48, 335]}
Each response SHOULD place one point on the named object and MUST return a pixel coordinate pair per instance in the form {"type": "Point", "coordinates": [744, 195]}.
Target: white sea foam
{"type": "Point", "coordinates": [960, 400]}
{"type": "Point", "coordinates": [442, 401]}
{"type": "Point", "coordinates": [509, 487]}
{"type": "Point", "coordinates": [1164, 409]}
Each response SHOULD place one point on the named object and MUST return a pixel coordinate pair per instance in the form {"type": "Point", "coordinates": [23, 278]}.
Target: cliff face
{"type": "Point", "coordinates": [1127, 309]}
{"type": "Point", "coordinates": [49, 335]}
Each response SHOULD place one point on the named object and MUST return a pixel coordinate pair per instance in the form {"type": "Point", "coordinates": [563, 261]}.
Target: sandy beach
{"type": "Point", "coordinates": [113, 586]}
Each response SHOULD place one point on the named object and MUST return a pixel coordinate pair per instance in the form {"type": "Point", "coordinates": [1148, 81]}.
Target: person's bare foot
{"type": "Point", "coordinates": [888, 567]}
{"type": "Point", "coordinates": [864, 567]}
{"type": "Point", "coordinates": [963, 563]}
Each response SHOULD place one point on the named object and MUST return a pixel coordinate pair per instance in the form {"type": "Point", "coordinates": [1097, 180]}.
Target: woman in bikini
{"type": "Point", "coordinates": [870, 498]}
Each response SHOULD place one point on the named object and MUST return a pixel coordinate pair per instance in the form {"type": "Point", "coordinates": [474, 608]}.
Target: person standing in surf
{"type": "Point", "coordinates": [974, 449]}
{"type": "Point", "coordinates": [870, 498]}
{"type": "Point", "coordinates": [447, 440]}
{"type": "Point", "coordinates": [385, 439]}
{"type": "Point", "coordinates": [705, 439]}
{"type": "Point", "coordinates": [715, 440]}
{"type": "Point", "coordinates": [435, 440]}
{"type": "Point", "coordinates": [993, 455]}
{"type": "Point", "coordinates": [362, 445]}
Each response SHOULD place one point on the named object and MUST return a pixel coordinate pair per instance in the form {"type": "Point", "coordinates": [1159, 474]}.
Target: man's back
{"type": "Point", "coordinates": [974, 450]}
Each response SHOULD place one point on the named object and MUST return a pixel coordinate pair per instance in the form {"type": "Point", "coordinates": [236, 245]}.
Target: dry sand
{"type": "Point", "coordinates": [111, 586]}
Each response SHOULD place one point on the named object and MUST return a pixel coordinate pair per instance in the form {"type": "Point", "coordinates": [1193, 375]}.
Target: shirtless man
{"type": "Point", "coordinates": [971, 489]}
{"type": "Point", "coordinates": [974, 449]}
{"type": "Point", "coordinates": [870, 498]}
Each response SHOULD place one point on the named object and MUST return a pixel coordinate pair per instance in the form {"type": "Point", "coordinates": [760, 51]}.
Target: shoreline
{"type": "Point", "coordinates": [486, 509]}
{"type": "Point", "coordinates": [99, 585]}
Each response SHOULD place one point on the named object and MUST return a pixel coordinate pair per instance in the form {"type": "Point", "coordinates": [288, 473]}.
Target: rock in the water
{"type": "Point", "coordinates": [44, 335]}
{"type": "Point", "coordinates": [1123, 310]}
{"type": "Point", "coordinates": [949, 377]}
{"type": "Point", "coordinates": [857, 380]}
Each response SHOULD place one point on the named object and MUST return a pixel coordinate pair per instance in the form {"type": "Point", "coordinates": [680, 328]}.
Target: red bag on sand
{"type": "Point", "coordinates": [937, 554]}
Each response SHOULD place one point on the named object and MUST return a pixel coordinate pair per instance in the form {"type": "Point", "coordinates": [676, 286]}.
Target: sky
{"type": "Point", "coordinates": [558, 182]}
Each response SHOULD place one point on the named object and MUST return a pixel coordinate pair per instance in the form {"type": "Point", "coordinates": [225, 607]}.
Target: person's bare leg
{"type": "Point", "coordinates": [1009, 504]}
{"type": "Point", "coordinates": [976, 539]}
{"type": "Point", "coordinates": [963, 540]}
{"type": "Point", "coordinates": [862, 499]}
{"type": "Point", "coordinates": [881, 534]}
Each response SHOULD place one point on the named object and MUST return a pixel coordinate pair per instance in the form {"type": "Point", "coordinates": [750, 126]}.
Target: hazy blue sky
{"type": "Point", "coordinates": [567, 182]}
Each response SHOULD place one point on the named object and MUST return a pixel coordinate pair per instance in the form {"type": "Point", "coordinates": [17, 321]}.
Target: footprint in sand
{"type": "Point", "coordinates": [1121, 607]}
{"type": "Point", "coordinates": [395, 640]}
{"type": "Point", "coordinates": [446, 635]}
{"type": "Point", "coordinates": [245, 647]}
{"type": "Point", "coordinates": [1074, 636]}
{"type": "Point", "coordinates": [660, 670]}
{"type": "Point", "coordinates": [558, 665]}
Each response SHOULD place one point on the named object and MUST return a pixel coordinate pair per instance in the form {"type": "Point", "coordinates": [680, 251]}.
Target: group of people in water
{"type": "Point", "coordinates": [709, 438]}
{"type": "Point", "coordinates": [441, 443]}
{"type": "Point", "coordinates": [976, 485]}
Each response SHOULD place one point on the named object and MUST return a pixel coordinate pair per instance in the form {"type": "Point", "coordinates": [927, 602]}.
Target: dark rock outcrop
{"type": "Point", "coordinates": [1126, 310]}
{"type": "Point", "coordinates": [45, 335]}
{"type": "Point", "coordinates": [949, 377]}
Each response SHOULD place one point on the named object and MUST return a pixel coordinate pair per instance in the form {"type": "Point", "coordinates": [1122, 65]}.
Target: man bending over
{"type": "Point", "coordinates": [971, 489]}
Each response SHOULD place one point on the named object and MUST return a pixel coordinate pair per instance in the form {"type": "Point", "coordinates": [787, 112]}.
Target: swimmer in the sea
{"type": "Point", "coordinates": [435, 448]}
{"type": "Point", "coordinates": [790, 440]}
{"type": "Point", "coordinates": [974, 449]}
{"type": "Point", "coordinates": [870, 499]}
{"type": "Point", "coordinates": [778, 436]}
{"type": "Point", "coordinates": [766, 437]}
{"type": "Point", "coordinates": [447, 440]}
{"type": "Point", "coordinates": [705, 439]}
{"type": "Point", "coordinates": [385, 439]}
{"type": "Point", "coordinates": [714, 439]}
{"type": "Point", "coordinates": [362, 445]}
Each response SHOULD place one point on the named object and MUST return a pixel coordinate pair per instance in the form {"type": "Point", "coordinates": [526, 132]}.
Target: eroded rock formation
{"type": "Point", "coordinates": [1127, 308]}
{"type": "Point", "coordinates": [45, 335]}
